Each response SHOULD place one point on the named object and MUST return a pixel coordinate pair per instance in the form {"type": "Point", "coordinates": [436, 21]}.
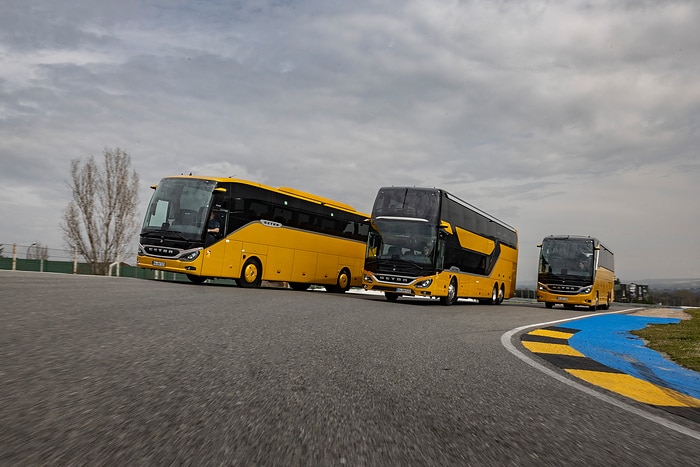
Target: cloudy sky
{"type": "Point", "coordinates": [578, 117]}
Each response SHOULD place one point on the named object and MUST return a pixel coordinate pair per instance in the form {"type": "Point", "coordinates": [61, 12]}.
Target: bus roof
{"type": "Point", "coordinates": [578, 237]}
{"type": "Point", "coordinates": [456, 199]}
{"type": "Point", "coordinates": [282, 190]}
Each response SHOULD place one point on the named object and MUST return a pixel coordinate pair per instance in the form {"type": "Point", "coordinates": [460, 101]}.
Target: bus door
{"type": "Point", "coordinates": [215, 244]}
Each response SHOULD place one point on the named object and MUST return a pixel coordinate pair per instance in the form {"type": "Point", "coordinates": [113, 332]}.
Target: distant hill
{"type": "Point", "coordinates": [670, 284]}
{"type": "Point", "coordinates": [654, 284]}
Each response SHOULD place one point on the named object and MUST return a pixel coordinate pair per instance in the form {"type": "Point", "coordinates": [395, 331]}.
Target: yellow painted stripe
{"type": "Point", "coordinates": [637, 389]}
{"type": "Point", "coordinates": [550, 333]}
{"type": "Point", "coordinates": [556, 349]}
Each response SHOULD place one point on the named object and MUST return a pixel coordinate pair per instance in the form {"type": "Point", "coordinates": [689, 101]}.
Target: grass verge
{"type": "Point", "coordinates": [679, 342]}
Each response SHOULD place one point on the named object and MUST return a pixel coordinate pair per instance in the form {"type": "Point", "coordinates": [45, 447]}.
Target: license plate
{"type": "Point", "coordinates": [563, 299]}
{"type": "Point", "coordinates": [159, 263]}
{"type": "Point", "coordinates": [399, 290]}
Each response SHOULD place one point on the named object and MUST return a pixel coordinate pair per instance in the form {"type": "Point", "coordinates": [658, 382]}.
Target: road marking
{"type": "Point", "coordinates": [635, 388]}
{"type": "Point", "coordinates": [553, 349]}
{"type": "Point", "coordinates": [551, 333]}
{"type": "Point", "coordinates": [506, 341]}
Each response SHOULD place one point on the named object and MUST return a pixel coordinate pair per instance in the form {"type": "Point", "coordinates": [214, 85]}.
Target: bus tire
{"type": "Point", "coordinates": [451, 297]}
{"type": "Point", "coordinates": [594, 307]}
{"type": "Point", "coordinates": [549, 304]}
{"type": "Point", "coordinates": [251, 274]}
{"type": "Point", "coordinates": [300, 286]}
{"type": "Point", "coordinates": [196, 279]}
{"type": "Point", "coordinates": [607, 303]}
{"type": "Point", "coordinates": [501, 294]}
{"type": "Point", "coordinates": [391, 296]}
{"type": "Point", "coordinates": [494, 295]}
{"type": "Point", "coordinates": [342, 284]}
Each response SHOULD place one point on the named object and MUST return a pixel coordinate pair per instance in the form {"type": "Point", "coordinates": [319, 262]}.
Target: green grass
{"type": "Point", "coordinates": [679, 342]}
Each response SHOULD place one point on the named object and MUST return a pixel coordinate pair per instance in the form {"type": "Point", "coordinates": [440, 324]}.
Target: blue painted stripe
{"type": "Point", "coordinates": [607, 339]}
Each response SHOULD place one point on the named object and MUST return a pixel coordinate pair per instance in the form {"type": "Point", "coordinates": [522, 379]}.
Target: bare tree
{"type": "Point", "coordinates": [38, 251]}
{"type": "Point", "coordinates": [100, 222]}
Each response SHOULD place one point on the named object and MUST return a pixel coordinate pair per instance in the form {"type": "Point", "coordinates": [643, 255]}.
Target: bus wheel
{"type": "Point", "coordinates": [342, 284]}
{"type": "Point", "coordinates": [594, 307]}
{"type": "Point", "coordinates": [494, 295]}
{"type": "Point", "coordinates": [549, 304]}
{"type": "Point", "coordinates": [300, 286]}
{"type": "Point", "coordinates": [607, 304]}
{"type": "Point", "coordinates": [501, 295]}
{"type": "Point", "coordinates": [251, 274]}
{"type": "Point", "coordinates": [196, 279]}
{"type": "Point", "coordinates": [451, 297]}
{"type": "Point", "coordinates": [390, 296]}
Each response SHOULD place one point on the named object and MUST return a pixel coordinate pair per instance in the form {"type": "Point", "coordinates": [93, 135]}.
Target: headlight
{"type": "Point", "coordinates": [423, 284]}
{"type": "Point", "coordinates": [191, 256]}
{"type": "Point", "coordinates": [541, 287]}
{"type": "Point", "coordinates": [586, 290]}
{"type": "Point", "coordinates": [367, 278]}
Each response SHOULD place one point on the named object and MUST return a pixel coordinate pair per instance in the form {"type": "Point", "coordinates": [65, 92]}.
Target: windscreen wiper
{"type": "Point", "coordinates": [164, 233]}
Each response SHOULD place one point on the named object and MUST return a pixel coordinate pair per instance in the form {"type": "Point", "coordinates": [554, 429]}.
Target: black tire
{"type": "Point", "coordinates": [501, 294]}
{"type": "Point", "coordinates": [494, 295]}
{"type": "Point", "coordinates": [251, 274]}
{"type": "Point", "coordinates": [342, 284]}
{"type": "Point", "coordinates": [196, 279]}
{"type": "Point", "coordinates": [451, 297]}
{"type": "Point", "coordinates": [391, 297]}
{"type": "Point", "coordinates": [594, 307]}
{"type": "Point", "coordinates": [549, 304]}
{"type": "Point", "coordinates": [300, 286]}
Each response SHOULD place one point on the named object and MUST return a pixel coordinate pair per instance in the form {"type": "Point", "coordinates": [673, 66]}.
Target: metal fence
{"type": "Point", "coordinates": [18, 257]}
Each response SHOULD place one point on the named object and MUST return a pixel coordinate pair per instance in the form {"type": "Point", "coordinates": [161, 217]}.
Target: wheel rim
{"type": "Point", "coordinates": [451, 292]}
{"type": "Point", "coordinates": [251, 273]}
{"type": "Point", "coordinates": [343, 280]}
{"type": "Point", "coordinates": [494, 294]}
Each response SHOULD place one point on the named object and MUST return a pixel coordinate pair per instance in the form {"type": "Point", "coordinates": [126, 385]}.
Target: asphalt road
{"type": "Point", "coordinates": [97, 370]}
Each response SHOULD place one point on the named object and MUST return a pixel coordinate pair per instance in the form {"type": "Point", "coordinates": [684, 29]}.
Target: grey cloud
{"type": "Point", "coordinates": [511, 105]}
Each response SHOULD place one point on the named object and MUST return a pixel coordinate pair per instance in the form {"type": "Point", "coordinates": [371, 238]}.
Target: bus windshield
{"type": "Point", "coordinates": [179, 207]}
{"type": "Point", "coordinates": [567, 258]}
{"type": "Point", "coordinates": [414, 203]}
{"type": "Point", "coordinates": [408, 241]}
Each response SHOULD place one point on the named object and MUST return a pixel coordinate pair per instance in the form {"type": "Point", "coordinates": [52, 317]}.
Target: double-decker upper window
{"type": "Point", "coordinates": [413, 203]}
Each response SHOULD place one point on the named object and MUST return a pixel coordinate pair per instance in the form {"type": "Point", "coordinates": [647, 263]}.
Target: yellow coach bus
{"type": "Point", "coordinates": [426, 242]}
{"type": "Point", "coordinates": [209, 227]}
{"type": "Point", "coordinates": [575, 270]}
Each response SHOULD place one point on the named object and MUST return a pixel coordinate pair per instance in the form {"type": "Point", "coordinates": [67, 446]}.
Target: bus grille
{"type": "Point", "coordinates": [564, 289]}
{"type": "Point", "coordinates": [394, 279]}
{"type": "Point", "coordinates": [161, 251]}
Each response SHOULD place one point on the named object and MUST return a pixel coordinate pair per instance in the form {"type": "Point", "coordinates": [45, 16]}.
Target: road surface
{"type": "Point", "coordinates": [99, 370]}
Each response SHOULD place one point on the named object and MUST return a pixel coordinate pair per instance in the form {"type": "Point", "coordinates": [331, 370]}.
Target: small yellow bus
{"type": "Point", "coordinates": [427, 242]}
{"type": "Point", "coordinates": [575, 270]}
{"type": "Point", "coordinates": [212, 227]}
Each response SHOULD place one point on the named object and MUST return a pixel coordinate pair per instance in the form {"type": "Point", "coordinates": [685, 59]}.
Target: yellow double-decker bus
{"type": "Point", "coordinates": [575, 270]}
{"type": "Point", "coordinates": [210, 227]}
{"type": "Point", "coordinates": [426, 242]}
